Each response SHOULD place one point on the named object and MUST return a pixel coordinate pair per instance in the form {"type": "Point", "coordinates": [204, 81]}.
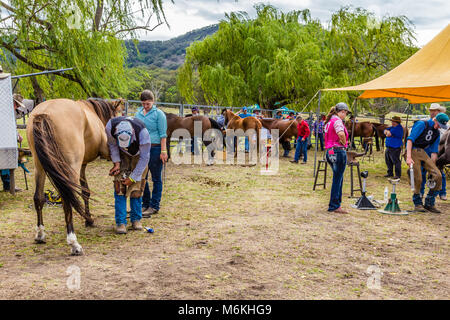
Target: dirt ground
{"type": "Point", "coordinates": [228, 232]}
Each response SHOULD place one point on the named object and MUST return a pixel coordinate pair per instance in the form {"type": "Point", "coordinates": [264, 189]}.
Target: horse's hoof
{"type": "Point", "coordinates": [89, 224]}
{"type": "Point", "coordinates": [77, 251]}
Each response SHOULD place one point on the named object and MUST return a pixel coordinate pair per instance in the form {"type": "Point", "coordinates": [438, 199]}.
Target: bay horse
{"type": "Point", "coordinates": [363, 129]}
{"type": "Point", "coordinates": [64, 136]}
{"type": "Point", "coordinates": [287, 130]}
{"type": "Point", "coordinates": [234, 122]}
{"type": "Point", "coordinates": [176, 122]}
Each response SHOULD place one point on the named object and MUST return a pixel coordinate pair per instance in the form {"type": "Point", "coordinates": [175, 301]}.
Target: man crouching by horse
{"type": "Point", "coordinates": [129, 145]}
{"type": "Point", "coordinates": [425, 135]}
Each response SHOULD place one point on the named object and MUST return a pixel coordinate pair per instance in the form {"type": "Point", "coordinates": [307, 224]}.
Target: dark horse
{"type": "Point", "coordinates": [176, 122]}
{"type": "Point", "coordinates": [444, 150]}
{"type": "Point", "coordinates": [363, 129]}
{"type": "Point", "coordinates": [64, 136]}
{"type": "Point", "coordinates": [287, 130]}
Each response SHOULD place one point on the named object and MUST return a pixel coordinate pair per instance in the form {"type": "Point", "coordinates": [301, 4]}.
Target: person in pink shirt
{"type": "Point", "coordinates": [336, 141]}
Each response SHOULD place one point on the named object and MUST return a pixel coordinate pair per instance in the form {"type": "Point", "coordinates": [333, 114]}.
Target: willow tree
{"type": "Point", "coordinates": [287, 57]}
{"type": "Point", "coordinates": [38, 35]}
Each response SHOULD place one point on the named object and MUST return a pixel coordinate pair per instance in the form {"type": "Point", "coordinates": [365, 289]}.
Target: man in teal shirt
{"type": "Point", "coordinates": [156, 124]}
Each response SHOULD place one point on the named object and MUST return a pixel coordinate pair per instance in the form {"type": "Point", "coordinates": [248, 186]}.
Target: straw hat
{"type": "Point", "coordinates": [18, 99]}
{"type": "Point", "coordinates": [437, 106]}
{"type": "Point", "coordinates": [3, 75]}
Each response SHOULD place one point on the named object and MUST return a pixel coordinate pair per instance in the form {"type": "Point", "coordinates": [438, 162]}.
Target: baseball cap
{"type": "Point", "coordinates": [442, 120]}
{"type": "Point", "coordinates": [124, 132]}
{"type": "Point", "coordinates": [341, 106]}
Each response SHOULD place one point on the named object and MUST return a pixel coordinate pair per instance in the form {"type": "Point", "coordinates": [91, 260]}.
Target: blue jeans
{"type": "Point", "coordinates": [320, 136]}
{"type": "Point", "coordinates": [120, 205]}
{"type": "Point", "coordinates": [5, 179]}
{"type": "Point", "coordinates": [155, 167]}
{"type": "Point", "coordinates": [442, 192]}
{"type": "Point", "coordinates": [194, 146]}
{"type": "Point", "coordinates": [338, 165]}
{"type": "Point", "coordinates": [300, 149]}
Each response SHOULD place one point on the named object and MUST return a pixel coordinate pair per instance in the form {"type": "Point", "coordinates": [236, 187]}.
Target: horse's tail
{"type": "Point", "coordinates": [377, 140]}
{"type": "Point", "coordinates": [55, 164]}
{"type": "Point", "coordinates": [214, 124]}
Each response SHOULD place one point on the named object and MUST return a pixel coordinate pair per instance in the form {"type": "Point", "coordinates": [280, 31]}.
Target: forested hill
{"type": "Point", "coordinates": [167, 54]}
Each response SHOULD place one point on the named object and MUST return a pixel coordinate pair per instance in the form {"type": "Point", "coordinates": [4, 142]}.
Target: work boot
{"type": "Point", "coordinates": [443, 197]}
{"type": "Point", "coordinates": [388, 176]}
{"type": "Point", "coordinates": [340, 210]}
{"type": "Point", "coordinates": [432, 209]}
{"type": "Point", "coordinates": [294, 161]}
{"type": "Point", "coordinates": [148, 212]}
{"type": "Point", "coordinates": [121, 229]}
{"type": "Point", "coordinates": [136, 225]}
{"type": "Point", "coordinates": [419, 208]}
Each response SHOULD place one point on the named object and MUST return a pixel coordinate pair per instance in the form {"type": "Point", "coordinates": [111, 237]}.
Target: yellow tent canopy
{"type": "Point", "coordinates": [423, 78]}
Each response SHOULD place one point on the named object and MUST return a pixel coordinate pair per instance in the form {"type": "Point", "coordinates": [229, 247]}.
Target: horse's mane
{"type": "Point", "coordinates": [105, 110]}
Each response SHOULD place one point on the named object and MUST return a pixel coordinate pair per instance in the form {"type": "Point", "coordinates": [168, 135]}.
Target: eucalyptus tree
{"type": "Point", "coordinates": [37, 35]}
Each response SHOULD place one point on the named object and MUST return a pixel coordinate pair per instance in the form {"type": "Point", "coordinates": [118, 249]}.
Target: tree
{"type": "Point", "coordinates": [288, 57]}
{"type": "Point", "coordinates": [88, 35]}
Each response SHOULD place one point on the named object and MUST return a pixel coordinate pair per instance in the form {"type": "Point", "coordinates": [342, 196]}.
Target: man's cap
{"type": "Point", "coordinates": [124, 131]}
{"type": "Point", "coordinates": [341, 106]}
{"type": "Point", "coordinates": [437, 106]}
{"type": "Point", "coordinates": [244, 109]}
{"type": "Point", "coordinates": [194, 109]}
{"type": "Point", "coordinates": [442, 120]}
{"type": "Point", "coordinates": [396, 119]}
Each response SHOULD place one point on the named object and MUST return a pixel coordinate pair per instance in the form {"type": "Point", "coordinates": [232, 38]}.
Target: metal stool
{"type": "Point", "coordinates": [324, 184]}
{"type": "Point", "coordinates": [369, 149]}
{"type": "Point", "coordinates": [352, 188]}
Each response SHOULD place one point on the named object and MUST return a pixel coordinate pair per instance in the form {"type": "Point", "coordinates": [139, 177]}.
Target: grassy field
{"type": "Point", "coordinates": [228, 232]}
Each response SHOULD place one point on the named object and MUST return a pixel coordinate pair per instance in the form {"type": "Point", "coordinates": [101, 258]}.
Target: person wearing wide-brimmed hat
{"type": "Point", "coordinates": [425, 135]}
{"type": "Point", "coordinates": [394, 136]}
{"type": "Point", "coordinates": [435, 109]}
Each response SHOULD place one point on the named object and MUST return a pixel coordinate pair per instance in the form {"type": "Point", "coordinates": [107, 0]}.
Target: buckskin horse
{"type": "Point", "coordinates": [64, 136]}
{"type": "Point", "coordinates": [175, 122]}
{"type": "Point", "coordinates": [363, 129]}
{"type": "Point", "coordinates": [287, 130]}
{"type": "Point", "coordinates": [234, 122]}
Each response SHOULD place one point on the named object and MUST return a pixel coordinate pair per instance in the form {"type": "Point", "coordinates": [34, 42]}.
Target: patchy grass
{"type": "Point", "coordinates": [227, 232]}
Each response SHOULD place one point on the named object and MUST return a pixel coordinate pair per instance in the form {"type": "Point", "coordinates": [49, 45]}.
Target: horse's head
{"type": "Point", "coordinates": [118, 107]}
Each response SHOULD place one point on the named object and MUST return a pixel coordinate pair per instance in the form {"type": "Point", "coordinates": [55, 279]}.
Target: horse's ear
{"type": "Point", "coordinates": [119, 106]}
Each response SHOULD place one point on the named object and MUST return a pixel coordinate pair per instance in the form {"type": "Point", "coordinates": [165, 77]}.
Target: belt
{"type": "Point", "coordinates": [338, 148]}
{"type": "Point", "coordinates": [156, 144]}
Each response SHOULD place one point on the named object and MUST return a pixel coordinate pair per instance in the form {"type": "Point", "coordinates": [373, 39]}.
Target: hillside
{"type": "Point", "coordinates": [167, 54]}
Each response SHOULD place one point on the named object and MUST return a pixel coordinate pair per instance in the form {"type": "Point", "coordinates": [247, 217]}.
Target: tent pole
{"type": "Point", "coordinates": [315, 150]}
{"type": "Point", "coordinates": [355, 102]}
{"type": "Point", "coordinates": [406, 128]}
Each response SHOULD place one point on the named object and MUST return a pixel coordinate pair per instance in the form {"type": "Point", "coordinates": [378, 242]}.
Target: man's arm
{"type": "Point", "coordinates": [113, 149]}
{"type": "Point", "coordinates": [409, 160]}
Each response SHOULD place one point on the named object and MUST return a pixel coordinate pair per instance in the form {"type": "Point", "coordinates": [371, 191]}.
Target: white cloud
{"type": "Point", "coordinates": [428, 16]}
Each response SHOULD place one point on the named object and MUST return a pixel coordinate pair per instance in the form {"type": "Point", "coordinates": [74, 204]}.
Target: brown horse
{"type": "Point", "coordinates": [64, 136]}
{"type": "Point", "coordinates": [363, 129]}
{"type": "Point", "coordinates": [234, 122]}
{"type": "Point", "coordinates": [287, 130]}
{"type": "Point", "coordinates": [175, 122]}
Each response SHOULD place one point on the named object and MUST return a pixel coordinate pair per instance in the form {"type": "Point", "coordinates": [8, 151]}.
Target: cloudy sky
{"type": "Point", "coordinates": [428, 16]}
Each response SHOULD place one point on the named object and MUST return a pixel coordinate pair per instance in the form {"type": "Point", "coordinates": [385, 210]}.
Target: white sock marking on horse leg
{"type": "Point", "coordinates": [72, 241]}
{"type": "Point", "coordinates": [40, 233]}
